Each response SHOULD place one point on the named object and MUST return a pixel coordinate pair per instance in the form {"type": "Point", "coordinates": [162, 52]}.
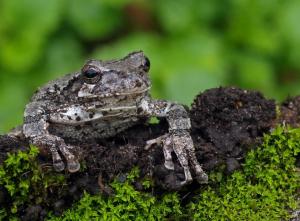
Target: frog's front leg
{"type": "Point", "coordinates": [178, 139]}
{"type": "Point", "coordinates": [35, 128]}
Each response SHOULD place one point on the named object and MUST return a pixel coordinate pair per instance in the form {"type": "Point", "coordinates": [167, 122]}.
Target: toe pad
{"type": "Point", "coordinates": [73, 166]}
{"type": "Point", "coordinates": [58, 166]}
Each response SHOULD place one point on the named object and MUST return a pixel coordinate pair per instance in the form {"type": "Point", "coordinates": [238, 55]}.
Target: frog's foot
{"type": "Point", "coordinates": [182, 144]}
{"type": "Point", "coordinates": [167, 149]}
{"type": "Point", "coordinates": [158, 141]}
{"type": "Point", "coordinates": [201, 176]}
{"type": "Point", "coordinates": [58, 164]}
{"type": "Point", "coordinates": [178, 144]}
{"type": "Point", "coordinates": [73, 166]}
{"type": "Point", "coordinates": [72, 163]}
{"type": "Point", "coordinates": [56, 145]}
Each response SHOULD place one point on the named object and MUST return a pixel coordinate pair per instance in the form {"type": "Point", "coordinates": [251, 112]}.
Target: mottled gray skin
{"type": "Point", "coordinates": [99, 101]}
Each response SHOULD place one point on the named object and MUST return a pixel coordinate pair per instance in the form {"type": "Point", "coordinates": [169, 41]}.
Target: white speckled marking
{"type": "Point", "coordinates": [86, 90]}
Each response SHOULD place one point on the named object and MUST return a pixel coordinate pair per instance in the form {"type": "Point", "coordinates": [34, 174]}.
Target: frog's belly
{"type": "Point", "coordinates": [94, 129]}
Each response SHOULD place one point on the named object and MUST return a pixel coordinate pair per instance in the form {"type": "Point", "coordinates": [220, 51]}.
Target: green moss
{"type": "Point", "coordinates": [3, 214]}
{"type": "Point", "coordinates": [126, 204]}
{"type": "Point", "coordinates": [264, 189]}
{"type": "Point", "coordinates": [25, 181]}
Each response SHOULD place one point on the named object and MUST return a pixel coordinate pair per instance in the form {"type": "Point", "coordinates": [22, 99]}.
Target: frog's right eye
{"type": "Point", "coordinates": [90, 71]}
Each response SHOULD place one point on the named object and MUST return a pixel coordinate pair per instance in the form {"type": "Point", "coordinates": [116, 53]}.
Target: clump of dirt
{"type": "Point", "coordinates": [118, 155]}
{"type": "Point", "coordinates": [227, 122]}
{"type": "Point", "coordinates": [290, 111]}
{"type": "Point", "coordinates": [290, 115]}
{"type": "Point", "coordinates": [121, 153]}
{"type": "Point", "coordinates": [10, 144]}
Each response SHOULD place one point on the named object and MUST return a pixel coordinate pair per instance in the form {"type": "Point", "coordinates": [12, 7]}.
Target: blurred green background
{"type": "Point", "coordinates": [192, 44]}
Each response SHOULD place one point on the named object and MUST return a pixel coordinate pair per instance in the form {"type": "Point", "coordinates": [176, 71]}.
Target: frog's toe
{"type": "Point", "coordinates": [202, 178]}
{"type": "Point", "coordinates": [73, 166]}
{"type": "Point", "coordinates": [58, 166]}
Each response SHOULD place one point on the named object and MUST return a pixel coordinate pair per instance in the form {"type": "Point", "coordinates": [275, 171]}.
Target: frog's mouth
{"type": "Point", "coordinates": [87, 91]}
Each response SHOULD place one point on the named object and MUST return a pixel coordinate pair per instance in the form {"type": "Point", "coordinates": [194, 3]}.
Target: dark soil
{"type": "Point", "coordinates": [10, 144]}
{"type": "Point", "coordinates": [290, 111]}
{"type": "Point", "coordinates": [227, 122]}
{"type": "Point", "coordinates": [290, 115]}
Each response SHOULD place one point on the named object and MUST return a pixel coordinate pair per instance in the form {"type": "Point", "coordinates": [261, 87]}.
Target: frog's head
{"type": "Point", "coordinates": [126, 76]}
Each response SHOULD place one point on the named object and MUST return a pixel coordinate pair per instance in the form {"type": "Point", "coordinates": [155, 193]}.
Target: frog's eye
{"type": "Point", "coordinates": [146, 64]}
{"type": "Point", "coordinates": [90, 72]}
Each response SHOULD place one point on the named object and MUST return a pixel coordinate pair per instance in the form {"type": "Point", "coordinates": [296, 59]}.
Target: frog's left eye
{"type": "Point", "coordinates": [90, 72]}
{"type": "Point", "coordinates": [146, 64]}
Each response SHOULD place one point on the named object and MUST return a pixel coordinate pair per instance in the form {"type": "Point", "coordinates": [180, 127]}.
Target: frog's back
{"type": "Point", "coordinates": [55, 87]}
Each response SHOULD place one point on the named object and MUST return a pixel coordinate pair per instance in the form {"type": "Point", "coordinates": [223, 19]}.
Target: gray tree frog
{"type": "Point", "coordinates": [101, 100]}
